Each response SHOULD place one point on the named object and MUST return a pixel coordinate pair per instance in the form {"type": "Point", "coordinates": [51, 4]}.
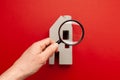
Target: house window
{"type": "Point", "coordinates": [66, 37]}
{"type": "Point", "coordinates": [65, 34]}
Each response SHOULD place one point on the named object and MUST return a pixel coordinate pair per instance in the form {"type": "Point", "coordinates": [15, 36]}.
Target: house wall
{"type": "Point", "coordinates": [97, 57]}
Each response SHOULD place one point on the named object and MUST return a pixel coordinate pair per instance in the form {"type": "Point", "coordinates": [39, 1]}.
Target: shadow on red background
{"type": "Point", "coordinates": [23, 22]}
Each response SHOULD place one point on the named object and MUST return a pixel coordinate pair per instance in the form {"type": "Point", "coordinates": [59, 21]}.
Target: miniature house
{"type": "Point", "coordinates": [65, 51]}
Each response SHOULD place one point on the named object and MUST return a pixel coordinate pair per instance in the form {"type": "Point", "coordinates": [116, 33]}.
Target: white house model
{"type": "Point", "coordinates": [65, 51]}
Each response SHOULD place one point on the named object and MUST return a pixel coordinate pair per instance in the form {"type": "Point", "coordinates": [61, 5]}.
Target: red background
{"type": "Point", "coordinates": [23, 22]}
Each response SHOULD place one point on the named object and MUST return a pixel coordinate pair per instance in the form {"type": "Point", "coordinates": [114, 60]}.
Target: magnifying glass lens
{"type": "Point", "coordinates": [71, 32]}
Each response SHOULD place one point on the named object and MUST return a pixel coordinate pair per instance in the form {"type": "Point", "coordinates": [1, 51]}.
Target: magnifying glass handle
{"type": "Point", "coordinates": [58, 42]}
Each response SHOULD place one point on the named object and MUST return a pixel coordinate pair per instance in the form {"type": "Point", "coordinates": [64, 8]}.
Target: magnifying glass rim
{"type": "Point", "coordinates": [81, 36]}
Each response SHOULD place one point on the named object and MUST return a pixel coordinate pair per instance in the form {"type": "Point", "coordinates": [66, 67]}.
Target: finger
{"type": "Point", "coordinates": [50, 50]}
{"type": "Point", "coordinates": [44, 43]}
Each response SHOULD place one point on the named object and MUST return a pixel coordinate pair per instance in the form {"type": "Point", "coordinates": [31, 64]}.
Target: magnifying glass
{"type": "Point", "coordinates": [70, 32]}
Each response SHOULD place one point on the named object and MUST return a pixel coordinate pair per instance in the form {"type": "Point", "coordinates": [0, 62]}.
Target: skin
{"type": "Point", "coordinates": [31, 60]}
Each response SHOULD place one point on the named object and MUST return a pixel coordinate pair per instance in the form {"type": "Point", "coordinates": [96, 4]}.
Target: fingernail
{"type": "Point", "coordinates": [56, 44]}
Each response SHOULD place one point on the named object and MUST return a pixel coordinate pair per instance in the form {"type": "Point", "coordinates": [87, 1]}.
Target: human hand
{"type": "Point", "coordinates": [31, 60]}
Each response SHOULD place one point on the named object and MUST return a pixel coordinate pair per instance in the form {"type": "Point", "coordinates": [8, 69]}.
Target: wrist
{"type": "Point", "coordinates": [12, 73]}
